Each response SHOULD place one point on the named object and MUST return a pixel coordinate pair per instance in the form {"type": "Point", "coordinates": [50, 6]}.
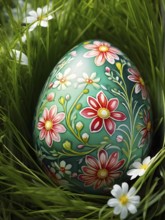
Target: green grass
{"type": "Point", "coordinates": [134, 26]}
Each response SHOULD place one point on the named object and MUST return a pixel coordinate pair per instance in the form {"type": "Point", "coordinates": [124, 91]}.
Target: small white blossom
{"type": "Point", "coordinates": [125, 200]}
{"type": "Point", "coordinates": [63, 80]}
{"type": "Point", "coordinates": [19, 56]}
{"type": "Point", "coordinates": [91, 80]}
{"type": "Point", "coordinates": [138, 168]}
{"type": "Point", "coordinates": [39, 17]}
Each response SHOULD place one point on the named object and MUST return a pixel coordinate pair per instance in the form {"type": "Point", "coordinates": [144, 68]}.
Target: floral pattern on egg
{"type": "Point", "coordinates": [93, 118]}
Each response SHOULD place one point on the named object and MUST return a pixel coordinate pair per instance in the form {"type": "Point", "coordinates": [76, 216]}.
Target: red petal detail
{"type": "Point", "coordinates": [138, 88]}
{"type": "Point", "coordinates": [52, 112]}
{"type": "Point", "coordinates": [48, 139]}
{"type": "Point", "coordinates": [119, 165]}
{"type": "Point", "coordinates": [59, 117]}
{"type": "Point", "coordinates": [133, 78]}
{"type": "Point", "coordinates": [99, 183]}
{"type": "Point", "coordinates": [118, 116]}
{"type": "Point", "coordinates": [46, 114]}
{"type": "Point", "coordinates": [102, 156]}
{"type": "Point", "coordinates": [113, 104]}
{"type": "Point", "coordinates": [93, 103]}
{"type": "Point", "coordinates": [110, 126]}
{"type": "Point", "coordinates": [92, 162]}
{"type": "Point", "coordinates": [89, 171]}
{"type": "Point", "coordinates": [96, 124]}
{"type": "Point", "coordinates": [112, 160]}
{"type": "Point", "coordinates": [40, 125]}
{"type": "Point", "coordinates": [102, 99]}
{"type": "Point", "coordinates": [134, 72]}
{"type": "Point", "coordinates": [88, 113]}
{"type": "Point", "coordinates": [100, 59]}
{"type": "Point", "coordinates": [42, 134]}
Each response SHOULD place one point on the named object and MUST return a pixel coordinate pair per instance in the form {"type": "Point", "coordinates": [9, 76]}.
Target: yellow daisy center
{"type": "Point", "coordinates": [63, 80]}
{"type": "Point", "coordinates": [149, 126]}
{"type": "Point", "coordinates": [123, 199]}
{"type": "Point", "coordinates": [48, 125]}
{"type": "Point", "coordinates": [141, 81]}
{"type": "Point", "coordinates": [103, 48]}
{"type": "Point", "coordinates": [103, 113]}
{"type": "Point", "coordinates": [102, 173]}
{"type": "Point", "coordinates": [144, 166]}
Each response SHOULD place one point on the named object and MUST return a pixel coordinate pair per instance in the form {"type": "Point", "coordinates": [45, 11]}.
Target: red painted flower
{"type": "Point", "coordinates": [139, 86]}
{"type": "Point", "coordinates": [103, 112]}
{"type": "Point", "coordinates": [49, 125]}
{"type": "Point", "coordinates": [102, 51]}
{"type": "Point", "coordinates": [146, 130]}
{"type": "Point", "coordinates": [103, 171]}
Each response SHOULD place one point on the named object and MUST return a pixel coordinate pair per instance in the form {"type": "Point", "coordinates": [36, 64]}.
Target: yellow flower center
{"type": "Point", "coordinates": [149, 126]}
{"type": "Point", "coordinates": [102, 173]}
{"type": "Point", "coordinates": [123, 199]}
{"type": "Point", "coordinates": [48, 125]}
{"type": "Point", "coordinates": [89, 81]}
{"type": "Point", "coordinates": [144, 166]}
{"type": "Point", "coordinates": [103, 113]}
{"type": "Point", "coordinates": [141, 81]}
{"type": "Point", "coordinates": [103, 48]}
{"type": "Point", "coordinates": [63, 80]}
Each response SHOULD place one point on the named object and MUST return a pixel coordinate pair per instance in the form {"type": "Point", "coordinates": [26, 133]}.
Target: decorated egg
{"type": "Point", "coordinates": [93, 118]}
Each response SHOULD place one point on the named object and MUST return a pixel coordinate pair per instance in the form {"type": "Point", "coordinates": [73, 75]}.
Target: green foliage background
{"type": "Point", "coordinates": [134, 26]}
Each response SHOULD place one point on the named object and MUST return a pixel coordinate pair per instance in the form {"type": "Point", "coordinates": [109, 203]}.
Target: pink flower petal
{"type": "Point", "coordinates": [110, 58]}
{"type": "Point", "coordinates": [92, 162]}
{"type": "Point", "coordinates": [59, 117]}
{"type": "Point", "coordinates": [88, 113]}
{"type": "Point", "coordinates": [42, 134]}
{"type": "Point", "coordinates": [133, 78]}
{"type": "Point", "coordinates": [46, 114]}
{"type": "Point", "coordinates": [55, 136]}
{"type": "Point", "coordinates": [144, 93]}
{"type": "Point", "coordinates": [110, 126]}
{"type": "Point", "coordinates": [118, 116]}
{"type": "Point", "coordinates": [99, 183]}
{"type": "Point", "coordinates": [91, 53]}
{"type": "Point", "coordinates": [137, 88]}
{"type": "Point", "coordinates": [58, 128]}
{"type": "Point", "coordinates": [48, 139]}
{"type": "Point", "coordinates": [52, 111]}
{"type": "Point", "coordinates": [100, 59]}
{"type": "Point", "coordinates": [102, 156]}
{"type": "Point", "coordinates": [102, 99]}
{"type": "Point", "coordinates": [40, 125]}
{"type": "Point", "coordinates": [96, 124]}
{"type": "Point", "coordinates": [93, 103]}
{"type": "Point", "coordinates": [113, 104]}
{"type": "Point", "coordinates": [89, 171]}
{"type": "Point", "coordinates": [98, 43]}
{"type": "Point", "coordinates": [90, 46]}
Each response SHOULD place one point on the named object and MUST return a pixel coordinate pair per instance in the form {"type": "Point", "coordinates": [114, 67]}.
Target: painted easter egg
{"type": "Point", "coordinates": [93, 118]}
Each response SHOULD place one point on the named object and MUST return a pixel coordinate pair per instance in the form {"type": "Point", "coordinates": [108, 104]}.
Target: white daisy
{"type": "Point", "coordinates": [63, 80]}
{"type": "Point", "coordinates": [91, 80]}
{"type": "Point", "coordinates": [125, 200]}
{"type": "Point", "coordinates": [64, 168]}
{"type": "Point", "coordinates": [39, 17]}
{"type": "Point", "coordinates": [138, 168]}
{"type": "Point", "coordinates": [19, 56]}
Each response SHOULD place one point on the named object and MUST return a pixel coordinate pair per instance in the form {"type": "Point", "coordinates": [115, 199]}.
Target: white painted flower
{"type": "Point", "coordinates": [38, 18]}
{"type": "Point", "coordinates": [63, 80]}
{"type": "Point", "coordinates": [119, 138]}
{"type": "Point", "coordinates": [138, 168]}
{"type": "Point", "coordinates": [85, 137]}
{"type": "Point", "coordinates": [64, 168]}
{"type": "Point", "coordinates": [91, 80]}
{"type": "Point", "coordinates": [19, 56]}
{"type": "Point", "coordinates": [125, 200]}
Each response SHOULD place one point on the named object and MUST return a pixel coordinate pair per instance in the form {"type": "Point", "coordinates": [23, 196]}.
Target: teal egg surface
{"type": "Point", "coordinates": [93, 118]}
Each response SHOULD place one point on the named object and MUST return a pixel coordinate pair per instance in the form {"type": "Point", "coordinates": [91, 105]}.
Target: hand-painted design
{"type": "Point", "coordinates": [49, 125]}
{"type": "Point", "coordinates": [103, 112]}
{"type": "Point", "coordinates": [103, 171]}
{"type": "Point", "coordinates": [146, 128]}
{"type": "Point", "coordinates": [55, 176]}
{"type": "Point", "coordinates": [139, 86]}
{"type": "Point", "coordinates": [63, 168]}
{"type": "Point", "coordinates": [63, 80]}
{"type": "Point", "coordinates": [50, 97]}
{"type": "Point", "coordinates": [102, 51]}
{"type": "Point", "coordinates": [89, 80]}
